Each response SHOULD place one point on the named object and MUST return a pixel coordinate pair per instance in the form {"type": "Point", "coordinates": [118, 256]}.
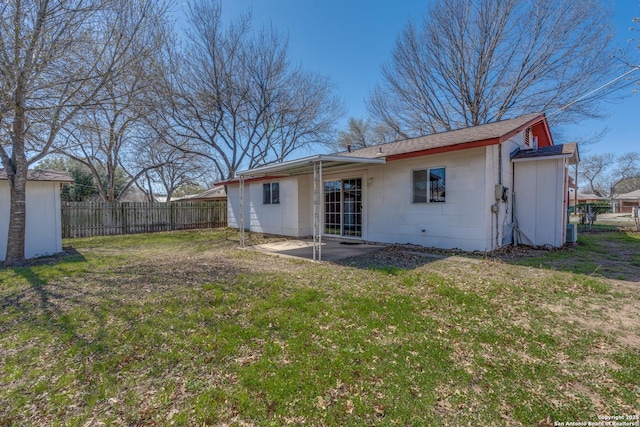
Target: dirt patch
{"type": "Point", "coordinates": [618, 316]}
{"type": "Point", "coordinates": [621, 319]}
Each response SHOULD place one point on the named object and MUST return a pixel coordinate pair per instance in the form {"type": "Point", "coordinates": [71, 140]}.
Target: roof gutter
{"type": "Point", "coordinates": [298, 167]}
{"type": "Point", "coordinates": [306, 161]}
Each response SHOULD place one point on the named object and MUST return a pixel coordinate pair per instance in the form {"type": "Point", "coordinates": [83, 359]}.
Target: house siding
{"type": "Point", "coordinates": [281, 218]}
{"type": "Point", "coordinates": [233, 207]}
{"type": "Point", "coordinates": [500, 172]}
{"type": "Point", "coordinates": [305, 205]}
{"type": "Point", "coordinates": [456, 223]}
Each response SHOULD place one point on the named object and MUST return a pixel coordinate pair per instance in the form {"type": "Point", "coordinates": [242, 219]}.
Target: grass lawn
{"type": "Point", "coordinates": [184, 328]}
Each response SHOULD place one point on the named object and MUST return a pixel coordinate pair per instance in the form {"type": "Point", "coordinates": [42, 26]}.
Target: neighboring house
{"type": "Point", "coordinates": [43, 228]}
{"type": "Point", "coordinates": [624, 203]}
{"type": "Point", "coordinates": [216, 193]}
{"type": "Point", "coordinates": [590, 198]}
{"type": "Point", "coordinates": [476, 189]}
{"type": "Point", "coordinates": [582, 199]}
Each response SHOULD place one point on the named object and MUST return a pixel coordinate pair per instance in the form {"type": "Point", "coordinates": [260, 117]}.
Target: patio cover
{"type": "Point", "coordinates": [307, 165]}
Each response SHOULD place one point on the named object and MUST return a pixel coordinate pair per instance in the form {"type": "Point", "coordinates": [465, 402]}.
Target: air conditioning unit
{"type": "Point", "coordinates": [572, 233]}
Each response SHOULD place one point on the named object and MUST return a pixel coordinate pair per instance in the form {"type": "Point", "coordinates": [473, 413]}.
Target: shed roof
{"type": "Point", "coordinates": [43, 175]}
{"type": "Point", "coordinates": [569, 150]}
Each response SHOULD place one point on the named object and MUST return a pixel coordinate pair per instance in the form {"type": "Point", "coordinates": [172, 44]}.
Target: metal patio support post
{"type": "Point", "coordinates": [241, 211]}
{"type": "Point", "coordinates": [320, 200]}
{"type": "Point", "coordinates": [317, 211]}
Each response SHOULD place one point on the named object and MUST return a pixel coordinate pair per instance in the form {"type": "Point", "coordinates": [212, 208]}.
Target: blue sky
{"type": "Point", "coordinates": [349, 40]}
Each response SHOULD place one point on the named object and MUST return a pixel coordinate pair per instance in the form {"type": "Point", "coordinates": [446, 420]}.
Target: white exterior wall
{"type": "Point", "coordinates": [305, 205]}
{"type": "Point", "coordinates": [281, 218]}
{"type": "Point", "coordinates": [43, 234]}
{"type": "Point", "coordinates": [539, 200]}
{"type": "Point", "coordinates": [459, 222]}
{"type": "Point", "coordinates": [233, 206]}
{"type": "Point", "coordinates": [499, 171]}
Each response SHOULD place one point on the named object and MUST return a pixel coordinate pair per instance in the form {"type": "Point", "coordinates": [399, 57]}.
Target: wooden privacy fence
{"type": "Point", "coordinates": [87, 219]}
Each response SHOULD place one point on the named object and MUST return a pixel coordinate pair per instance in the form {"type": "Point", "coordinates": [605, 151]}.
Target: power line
{"type": "Point", "coordinates": [561, 109]}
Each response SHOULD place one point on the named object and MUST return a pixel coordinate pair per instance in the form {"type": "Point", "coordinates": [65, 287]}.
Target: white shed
{"type": "Point", "coordinates": [43, 228]}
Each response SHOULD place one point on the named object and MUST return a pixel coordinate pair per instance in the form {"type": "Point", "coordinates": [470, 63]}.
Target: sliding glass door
{"type": "Point", "coordinates": [343, 207]}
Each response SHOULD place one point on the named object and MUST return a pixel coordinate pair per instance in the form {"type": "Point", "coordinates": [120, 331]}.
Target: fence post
{"type": "Point", "coordinates": [125, 220]}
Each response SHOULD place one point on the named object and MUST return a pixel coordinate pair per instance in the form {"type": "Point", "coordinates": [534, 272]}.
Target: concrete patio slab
{"type": "Point", "coordinates": [331, 250]}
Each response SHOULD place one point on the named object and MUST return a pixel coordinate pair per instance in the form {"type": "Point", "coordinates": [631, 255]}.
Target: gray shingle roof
{"type": "Point", "coordinates": [216, 192]}
{"type": "Point", "coordinates": [43, 175]}
{"type": "Point", "coordinates": [634, 195]}
{"type": "Point", "coordinates": [568, 149]}
{"type": "Point", "coordinates": [496, 130]}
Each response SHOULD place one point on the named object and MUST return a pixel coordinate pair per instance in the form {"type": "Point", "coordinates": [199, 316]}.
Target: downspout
{"type": "Point", "coordinates": [242, 211]}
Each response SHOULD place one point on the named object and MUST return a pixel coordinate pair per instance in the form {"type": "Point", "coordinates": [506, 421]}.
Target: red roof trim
{"type": "Point", "coordinates": [447, 149]}
{"type": "Point", "coordinates": [535, 123]}
{"type": "Point", "coordinates": [542, 131]}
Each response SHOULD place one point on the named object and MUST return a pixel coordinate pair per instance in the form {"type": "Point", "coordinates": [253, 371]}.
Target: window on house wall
{"type": "Point", "coordinates": [429, 185]}
{"type": "Point", "coordinates": [271, 193]}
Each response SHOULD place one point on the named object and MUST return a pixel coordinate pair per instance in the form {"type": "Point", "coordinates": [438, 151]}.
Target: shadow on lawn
{"type": "Point", "coordinates": [25, 297]}
{"type": "Point", "coordinates": [50, 305]}
{"type": "Point", "coordinates": [396, 258]}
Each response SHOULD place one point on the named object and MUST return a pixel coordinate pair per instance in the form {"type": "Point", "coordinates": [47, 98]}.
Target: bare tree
{"type": "Point", "coordinates": [627, 167]}
{"type": "Point", "coordinates": [239, 96]}
{"type": "Point", "coordinates": [176, 166]}
{"type": "Point", "coordinates": [362, 133]}
{"type": "Point", "coordinates": [609, 175]}
{"type": "Point", "coordinates": [105, 134]}
{"type": "Point", "coordinates": [478, 61]}
{"type": "Point", "coordinates": [55, 57]}
{"type": "Point", "coordinates": [358, 135]}
{"type": "Point", "coordinates": [594, 170]}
